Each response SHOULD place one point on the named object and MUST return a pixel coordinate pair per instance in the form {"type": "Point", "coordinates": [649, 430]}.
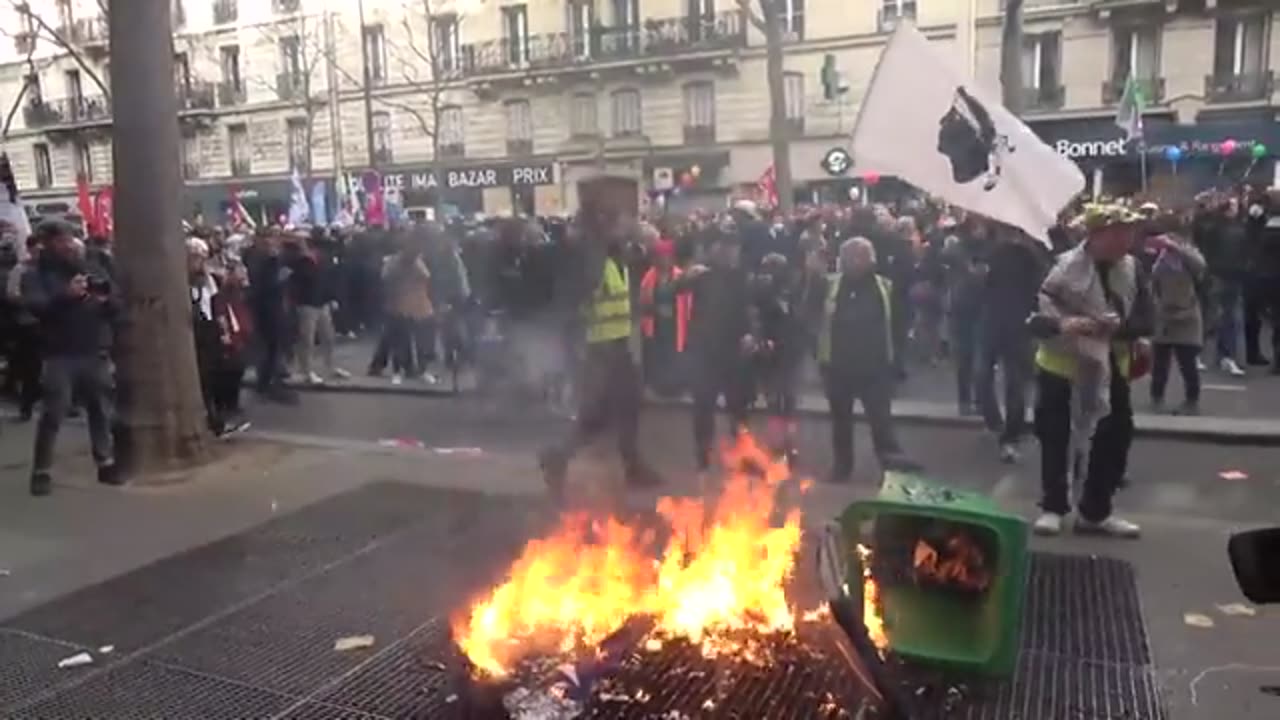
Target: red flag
{"type": "Point", "coordinates": [767, 186]}
{"type": "Point", "coordinates": [104, 210]}
{"type": "Point", "coordinates": [85, 203]}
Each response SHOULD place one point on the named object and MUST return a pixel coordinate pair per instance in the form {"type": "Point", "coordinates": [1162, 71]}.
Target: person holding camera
{"type": "Point", "coordinates": [76, 303]}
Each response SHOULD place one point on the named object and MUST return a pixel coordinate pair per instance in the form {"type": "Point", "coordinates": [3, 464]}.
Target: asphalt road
{"type": "Point", "coordinates": [1187, 511]}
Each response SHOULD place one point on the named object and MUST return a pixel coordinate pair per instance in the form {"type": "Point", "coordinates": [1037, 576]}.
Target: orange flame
{"type": "Point", "coordinates": [724, 567]}
{"type": "Point", "coordinates": [961, 564]}
{"type": "Point", "coordinates": [871, 608]}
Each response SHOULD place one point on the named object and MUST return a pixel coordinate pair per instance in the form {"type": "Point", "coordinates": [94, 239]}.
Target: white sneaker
{"type": "Point", "coordinates": [1048, 524]}
{"type": "Point", "coordinates": [1113, 526]}
{"type": "Point", "coordinates": [397, 379]}
{"type": "Point", "coordinates": [1200, 365]}
{"type": "Point", "coordinates": [340, 374]}
{"type": "Point", "coordinates": [428, 378]}
{"type": "Point", "coordinates": [314, 379]}
{"type": "Point", "coordinates": [1229, 366]}
{"type": "Point", "coordinates": [1009, 454]}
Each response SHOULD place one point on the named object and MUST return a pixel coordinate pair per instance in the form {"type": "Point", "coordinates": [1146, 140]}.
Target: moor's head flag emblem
{"type": "Point", "coordinates": [967, 136]}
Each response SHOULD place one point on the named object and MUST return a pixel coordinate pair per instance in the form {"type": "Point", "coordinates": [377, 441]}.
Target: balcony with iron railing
{"type": "Point", "coordinates": [1049, 97]}
{"type": "Point", "coordinates": [383, 156]}
{"type": "Point", "coordinates": [86, 110]}
{"type": "Point", "coordinates": [197, 95]}
{"type": "Point", "coordinates": [519, 148]}
{"type": "Point", "coordinates": [225, 12]}
{"type": "Point", "coordinates": [699, 134]}
{"type": "Point", "coordinates": [1239, 87]}
{"type": "Point", "coordinates": [230, 94]}
{"type": "Point", "coordinates": [290, 87]}
{"type": "Point", "coordinates": [1152, 89]}
{"type": "Point", "coordinates": [656, 37]}
{"type": "Point", "coordinates": [90, 33]}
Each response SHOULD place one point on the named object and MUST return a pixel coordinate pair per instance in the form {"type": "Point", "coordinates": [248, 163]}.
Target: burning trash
{"type": "Point", "coordinates": [616, 611]}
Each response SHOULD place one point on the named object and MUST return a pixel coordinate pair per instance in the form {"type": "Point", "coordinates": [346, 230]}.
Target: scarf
{"type": "Point", "coordinates": [203, 288]}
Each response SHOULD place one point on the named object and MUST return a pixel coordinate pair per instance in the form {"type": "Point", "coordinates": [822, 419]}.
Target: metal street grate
{"type": "Point", "coordinates": [1086, 608]}
{"type": "Point", "coordinates": [29, 665]}
{"type": "Point", "coordinates": [153, 602]}
{"type": "Point", "coordinates": [149, 691]}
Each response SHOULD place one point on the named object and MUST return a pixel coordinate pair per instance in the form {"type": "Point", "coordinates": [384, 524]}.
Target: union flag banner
{"type": "Point", "coordinates": [767, 187]}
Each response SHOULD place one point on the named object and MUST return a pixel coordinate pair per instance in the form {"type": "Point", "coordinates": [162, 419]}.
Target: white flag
{"type": "Point", "coordinates": [925, 122]}
{"type": "Point", "coordinates": [299, 209]}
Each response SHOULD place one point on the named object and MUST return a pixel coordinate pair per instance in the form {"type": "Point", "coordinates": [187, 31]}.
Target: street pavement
{"type": "Point", "coordinates": [1232, 409]}
{"type": "Point", "coordinates": [333, 442]}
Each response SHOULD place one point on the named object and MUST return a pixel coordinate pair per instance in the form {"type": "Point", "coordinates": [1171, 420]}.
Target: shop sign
{"type": "Point", "coordinates": [1091, 148]}
{"type": "Point", "coordinates": [479, 177]}
{"type": "Point", "coordinates": [837, 161]}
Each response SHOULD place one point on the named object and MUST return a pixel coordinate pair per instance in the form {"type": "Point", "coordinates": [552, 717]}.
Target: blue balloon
{"type": "Point", "coordinates": [1174, 153]}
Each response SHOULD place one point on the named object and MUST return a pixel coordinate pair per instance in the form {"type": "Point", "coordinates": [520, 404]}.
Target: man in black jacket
{"type": "Point", "coordinates": [77, 304]}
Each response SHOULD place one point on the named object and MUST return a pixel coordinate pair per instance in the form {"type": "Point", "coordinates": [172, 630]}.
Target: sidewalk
{"type": "Point", "coordinates": [1232, 410]}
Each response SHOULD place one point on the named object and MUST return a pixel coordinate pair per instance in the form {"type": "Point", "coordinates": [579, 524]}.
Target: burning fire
{"type": "Point", "coordinates": [871, 617]}
{"type": "Point", "coordinates": [960, 564]}
{"type": "Point", "coordinates": [723, 568]}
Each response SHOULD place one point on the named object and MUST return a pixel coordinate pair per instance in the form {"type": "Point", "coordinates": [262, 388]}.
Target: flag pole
{"type": "Point", "coordinates": [1142, 156]}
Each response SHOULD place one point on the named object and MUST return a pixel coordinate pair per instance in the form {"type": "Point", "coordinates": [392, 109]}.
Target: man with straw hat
{"type": "Point", "coordinates": [1093, 310]}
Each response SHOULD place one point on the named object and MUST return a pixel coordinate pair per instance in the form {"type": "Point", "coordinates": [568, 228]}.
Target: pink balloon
{"type": "Point", "coordinates": [871, 177]}
{"type": "Point", "coordinates": [1228, 146]}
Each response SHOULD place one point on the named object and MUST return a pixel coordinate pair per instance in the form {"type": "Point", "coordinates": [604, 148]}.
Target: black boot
{"type": "Point", "coordinates": [110, 475]}
{"type": "Point", "coordinates": [41, 484]}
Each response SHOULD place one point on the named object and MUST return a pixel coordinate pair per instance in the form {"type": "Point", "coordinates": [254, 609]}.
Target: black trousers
{"type": "Point", "coordinates": [876, 394]}
{"type": "Point", "coordinates": [964, 332]}
{"type": "Point", "coordinates": [609, 398]}
{"type": "Point", "coordinates": [1261, 298]}
{"type": "Point", "coordinates": [1011, 349]}
{"type": "Point", "coordinates": [24, 366]}
{"type": "Point", "coordinates": [711, 381]}
{"type": "Point", "coordinates": [271, 337]}
{"type": "Point", "coordinates": [1186, 356]}
{"type": "Point", "coordinates": [1108, 451]}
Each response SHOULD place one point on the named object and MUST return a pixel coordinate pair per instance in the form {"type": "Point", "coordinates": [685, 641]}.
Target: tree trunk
{"type": "Point", "coordinates": [162, 407]}
{"type": "Point", "coordinates": [779, 132]}
{"type": "Point", "coordinates": [1011, 80]}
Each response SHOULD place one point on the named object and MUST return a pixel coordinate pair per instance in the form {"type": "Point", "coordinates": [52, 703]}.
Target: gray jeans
{"type": "Point", "coordinates": [315, 325]}
{"type": "Point", "coordinates": [92, 379]}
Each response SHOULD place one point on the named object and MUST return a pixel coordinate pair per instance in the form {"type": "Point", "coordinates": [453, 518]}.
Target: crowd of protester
{"type": "Point", "coordinates": [731, 305]}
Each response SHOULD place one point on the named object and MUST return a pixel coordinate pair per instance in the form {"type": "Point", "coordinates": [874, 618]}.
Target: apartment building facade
{"type": "Point", "coordinates": [501, 105]}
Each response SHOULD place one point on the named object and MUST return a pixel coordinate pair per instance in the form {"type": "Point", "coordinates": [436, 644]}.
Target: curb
{"type": "Point", "coordinates": [1201, 429]}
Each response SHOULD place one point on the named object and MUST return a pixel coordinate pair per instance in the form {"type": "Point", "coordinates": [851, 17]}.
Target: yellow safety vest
{"type": "Point", "coordinates": [1064, 365]}
{"type": "Point", "coordinates": [829, 311]}
{"type": "Point", "coordinates": [609, 314]}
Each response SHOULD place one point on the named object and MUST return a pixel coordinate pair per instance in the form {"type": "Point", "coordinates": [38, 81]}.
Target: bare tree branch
{"type": "Point", "coordinates": [751, 15]}
{"type": "Point", "coordinates": [23, 8]}
{"type": "Point", "coordinates": [32, 70]}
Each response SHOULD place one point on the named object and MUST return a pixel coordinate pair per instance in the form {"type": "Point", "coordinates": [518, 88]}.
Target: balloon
{"type": "Point", "coordinates": [686, 179]}
{"type": "Point", "coordinates": [1174, 153]}
{"type": "Point", "coordinates": [695, 171]}
{"type": "Point", "coordinates": [854, 193]}
{"type": "Point", "coordinates": [871, 177]}
{"type": "Point", "coordinates": [1259, 151]}
{"type": "Point", "coordinates": [1228, 146]}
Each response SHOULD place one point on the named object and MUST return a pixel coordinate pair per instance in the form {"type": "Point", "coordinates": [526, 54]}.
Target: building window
{"type": "Point", "coordinates": [66, 18]}
{"type": "Point", "coordinates": [232, 89]}
{"type": "Point", "coordinates": [238, 149]}
{"type": "Point", "coordinates": [381, 136]}
{"type": "Point", "coordinates": [700, 112]}
{"type": "Point", "coordinates": [793, 92]}
{"type": "Point", "coordinates": [191, 156]}
{"type": "Point", "coordinates": [581, 20]}
{"type": "Point", "coordinates": [1041, 70]}
{"type": "Point", "coordinates": [1137, 53]}
{"type": "Point", "coordinates": [519, 127]}
{"type": "Point", "coordinates": [35, 92]}
{"type": "Point", "coordinates": [75, 88]}
{"type": "Point", "coordinates": [515, 33]}
{"type": "Point", "coordinates": [700, 16]}
{"type": "Point", "coordinates": [452, 135]}
{"type": "Point", "coordinates": [177, 14]}
{"type": "Point", "coordinates": [298, 143]}
{"type": "Point", "coordinates": [225, 11]}
{"type": "Point", "coordinates": [582, 115]}
{"type": "Point", "coordinates": [291, 55]}
{"type": "Point", "coordinates": [1240, 46]}
{"type": "Point", "coordinates": [182, 75]}
{"type": "Point", "coordinates": [446, 46]}
{"type": "Point", "coordinates": [44, 166]}
{"type": "Point", "coordinates": [892, 11]}
{"type": "Point", "coordinates": [792, 18]}
{"type": "Point", "coordinates": [626, 113]}
{"type": "Point", "coordinates": [84, 161]}
{"type": "Point", "coordinates": [375, 46]}
{"type": "Point", "coordinates": [285, 6]}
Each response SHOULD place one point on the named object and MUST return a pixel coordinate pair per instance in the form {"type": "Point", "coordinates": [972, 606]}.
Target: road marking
{"type": "Point", "coordinates": [1224, 388]}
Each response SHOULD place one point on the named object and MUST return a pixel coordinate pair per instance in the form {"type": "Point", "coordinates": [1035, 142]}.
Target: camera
{"type": "Point", "coordinates": [98, 285]}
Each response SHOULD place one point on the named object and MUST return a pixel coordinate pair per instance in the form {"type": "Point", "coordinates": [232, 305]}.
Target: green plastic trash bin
{"type": "Point", "coordinates": [951, 619]}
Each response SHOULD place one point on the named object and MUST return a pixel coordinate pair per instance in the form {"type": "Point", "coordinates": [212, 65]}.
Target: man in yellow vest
{"type": "Point", "coordinates": [597, 290]}
{"type": "Point", "coordinates": [1094, 309]}
{"type": "Point", "coordinates": [856, 357]}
